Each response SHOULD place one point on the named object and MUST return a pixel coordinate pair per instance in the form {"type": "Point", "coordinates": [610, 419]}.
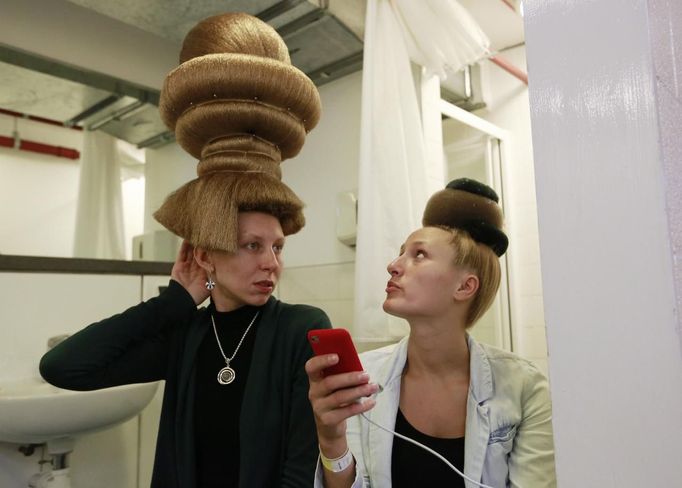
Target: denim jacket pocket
{"type": "Point", "coordinates": [495, 466]}
{"type": "Point", "coordinates": [503, 434]}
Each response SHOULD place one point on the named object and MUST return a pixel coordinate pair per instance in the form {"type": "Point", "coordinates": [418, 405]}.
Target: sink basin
{"type": "Point", "coordinates": [33, 411]}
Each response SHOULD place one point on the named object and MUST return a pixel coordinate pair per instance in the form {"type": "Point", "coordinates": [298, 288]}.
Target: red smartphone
{"type": "Point", "coordinates": [335, 341]}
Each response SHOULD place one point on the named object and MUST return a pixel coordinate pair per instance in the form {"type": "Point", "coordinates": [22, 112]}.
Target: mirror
{"type": "Point", "coordinates": [75, 93]}
{"type": "Point", "coordinates": [471, 153]}
{"type": "Point", "coordinates": [49, 113]}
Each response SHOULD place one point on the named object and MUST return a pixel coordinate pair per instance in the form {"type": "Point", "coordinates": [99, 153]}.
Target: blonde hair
{"type": "Point", "coordinates": [238, 105]}
{"type": "Point", "coordinates": [482, 261]}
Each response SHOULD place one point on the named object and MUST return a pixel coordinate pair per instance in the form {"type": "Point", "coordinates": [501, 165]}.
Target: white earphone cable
{"type": "Point", "coordinates": [428, 449]}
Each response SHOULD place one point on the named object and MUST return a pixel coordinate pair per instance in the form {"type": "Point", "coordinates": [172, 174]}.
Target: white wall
{"type": "Point", "coordinates": [133, 195]}
{"type": "Point", "coordinates": [507, 107]}
{"type": "Point", "coordinates": [38, 192]}
{"type": "Point", "coordinates": [327, 165]}
{"type": "Point", "coordinates": [319, 270]}
{"type": "Point", "coordinates": [55, 304]}
{"type": "Point", "coordinates": [606, 131]}
{"type": "Point", "coordinates": [166, 169]}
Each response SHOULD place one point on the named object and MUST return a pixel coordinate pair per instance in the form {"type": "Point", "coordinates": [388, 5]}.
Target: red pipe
{"type": "Point", "coordinates": [509, 4]}
{"type": "Point", "coordinates": [509, 68]}
{"type": "Point", "coordinates": [37, 119]}
{"type": "Point", "coordinates": [38, 147]}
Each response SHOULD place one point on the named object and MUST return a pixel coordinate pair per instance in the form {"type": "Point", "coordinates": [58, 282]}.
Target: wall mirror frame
{"type": "Point", "coordinates": [476, 148]}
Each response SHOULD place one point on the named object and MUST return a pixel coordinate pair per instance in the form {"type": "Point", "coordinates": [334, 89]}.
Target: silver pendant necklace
{"type": "Point", "coordinates": [227, 374]}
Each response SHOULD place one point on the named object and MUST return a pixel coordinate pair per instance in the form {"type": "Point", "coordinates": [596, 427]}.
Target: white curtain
{"type": "Point", "coordinates": [99, 215]}
{"type": "Point", "coordinates": [395, 179]}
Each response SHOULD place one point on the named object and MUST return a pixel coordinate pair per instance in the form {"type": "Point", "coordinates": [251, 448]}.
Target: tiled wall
{"type": "Point", "coordinates": [34, 307]}
{"type": "Point", "coordinates": [327, 286]}
{"type": "Point", "coordinates": [330, 287]}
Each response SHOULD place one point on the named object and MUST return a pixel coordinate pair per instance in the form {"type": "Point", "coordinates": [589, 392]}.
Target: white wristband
{"type": "Point", "coordinates": [338, 464]}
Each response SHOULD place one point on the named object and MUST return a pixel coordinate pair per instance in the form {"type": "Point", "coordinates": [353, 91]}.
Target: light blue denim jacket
{"type": "Point", "coordinates": [508, 439]}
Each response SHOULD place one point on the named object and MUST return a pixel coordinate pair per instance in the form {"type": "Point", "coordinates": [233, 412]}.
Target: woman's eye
{"type": "Point", "coordinates": [420, 254]}
{"type": "Point", "coordinates": [252, 245]}
{"type": "Point", "coordinates": [278, 248]}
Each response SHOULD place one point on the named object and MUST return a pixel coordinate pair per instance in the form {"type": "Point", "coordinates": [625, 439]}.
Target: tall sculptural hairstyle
{"type": "Point", "coordinates": [238, 105]}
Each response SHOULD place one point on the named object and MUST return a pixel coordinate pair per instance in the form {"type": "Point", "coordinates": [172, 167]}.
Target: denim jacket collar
{"type": "Point", "coordinates": [477, 424]}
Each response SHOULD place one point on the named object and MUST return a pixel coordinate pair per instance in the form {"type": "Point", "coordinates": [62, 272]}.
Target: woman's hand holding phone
{"type": "Point", "coordinates": [336, 397]}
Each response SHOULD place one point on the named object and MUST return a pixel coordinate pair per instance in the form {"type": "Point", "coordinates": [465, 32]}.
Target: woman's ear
{"type": "Point", "coordinates": [468, 286]}
{"type": "Point", "coordinates": [203, 259]}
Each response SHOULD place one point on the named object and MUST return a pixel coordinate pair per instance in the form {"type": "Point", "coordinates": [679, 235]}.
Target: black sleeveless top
{"type": "Point", "coordinates": [412, 466]}
{"type": "Point", "coordinates": [217, 407]}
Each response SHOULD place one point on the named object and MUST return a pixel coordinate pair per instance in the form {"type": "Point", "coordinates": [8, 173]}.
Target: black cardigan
{"type": "Point", "coordinates": [158, 340]}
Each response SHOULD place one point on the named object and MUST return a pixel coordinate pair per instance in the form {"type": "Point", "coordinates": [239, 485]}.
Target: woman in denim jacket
{"type": "Point", "coordinates": [438, 385]}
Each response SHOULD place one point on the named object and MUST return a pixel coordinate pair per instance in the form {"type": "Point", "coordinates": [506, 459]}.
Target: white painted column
{"type": "Point", "coordinates": [606, 113]}
{"type": "Point", "coordinates": [432, 126]}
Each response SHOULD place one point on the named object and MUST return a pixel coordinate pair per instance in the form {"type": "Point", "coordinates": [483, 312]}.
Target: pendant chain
{"type": "Point", "coordinates": [215, 331]}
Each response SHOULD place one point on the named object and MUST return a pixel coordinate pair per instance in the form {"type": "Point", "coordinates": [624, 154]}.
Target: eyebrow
{"type": "Point", "coordinates": [414, 243]}
{"type": "Point", "coordinates": [250, 235]}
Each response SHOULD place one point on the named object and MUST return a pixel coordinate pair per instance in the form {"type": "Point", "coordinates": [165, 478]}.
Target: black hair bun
{"type": "Point", "coordinates": [473, 186]}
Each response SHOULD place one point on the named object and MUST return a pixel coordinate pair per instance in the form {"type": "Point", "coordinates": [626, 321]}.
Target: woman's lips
{"type": "Point", "coordinates": [265, 286]}
{"type": "Point", "coordinates": [390, 286]}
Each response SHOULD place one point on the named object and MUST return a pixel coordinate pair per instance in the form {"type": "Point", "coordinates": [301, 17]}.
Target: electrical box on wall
{"type": "Point", "coordinates": [158, 245]}
{"type": "Point", "coordinates": [346, 217]}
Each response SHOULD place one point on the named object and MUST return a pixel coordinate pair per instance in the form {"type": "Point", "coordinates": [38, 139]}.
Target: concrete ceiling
{"type": "Point", "coordinates": [324, 38]}
{"type": "Point", "coordinates": [172, 19]}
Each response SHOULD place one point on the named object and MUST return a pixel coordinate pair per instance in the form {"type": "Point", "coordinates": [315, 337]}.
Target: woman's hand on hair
{"type": "Point", "coordinates": [334, 399]}
{"type": "Point", "coordinates": [189, 274]}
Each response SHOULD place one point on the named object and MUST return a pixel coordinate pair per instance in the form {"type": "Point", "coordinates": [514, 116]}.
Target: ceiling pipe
{"type": "Point", "coordinates": [38, 147]}
{"type": "Point", "coordinates": [506, 65]}
{"type": "Point", "coordinates": [509, 4]}
{"type": "Point", "coordinates": [43, 120]}
{"type": "Point", "coordinates": [510, 68]}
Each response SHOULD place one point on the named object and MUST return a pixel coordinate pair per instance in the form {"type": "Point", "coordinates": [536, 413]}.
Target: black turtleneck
{"type": "Point", "coordinates": [217, 407]}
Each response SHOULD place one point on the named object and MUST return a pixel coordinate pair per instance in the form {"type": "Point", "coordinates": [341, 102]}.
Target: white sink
{"type": "Point", "coordinates": [33, 411]}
